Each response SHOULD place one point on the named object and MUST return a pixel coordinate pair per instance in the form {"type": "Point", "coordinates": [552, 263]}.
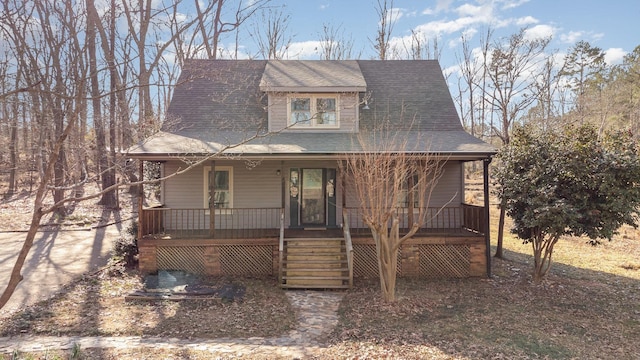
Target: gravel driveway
{"type": "Point", "coordinates": [56, 258]}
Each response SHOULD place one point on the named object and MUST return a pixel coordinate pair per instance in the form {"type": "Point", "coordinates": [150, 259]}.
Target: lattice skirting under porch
{"type": "Point", "coordinates": [365, 261]}
{"type": "Point", "coordinates": [427, 260]}
{"type": "Point", "coordinates": [185, 258]}
{"type": "Point", "coordinates": [462, 258]}
{"type": "Point", "coordinates": [438, 260]}
{"type": "Point", "coordinates": [217, 260]}
{"type": "Point", "coordinates": [246, 260]}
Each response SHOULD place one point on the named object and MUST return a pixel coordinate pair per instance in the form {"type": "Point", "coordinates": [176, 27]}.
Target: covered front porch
{"type": "Point", "coordinates": [301, 250]}
{"type": "Point", "coordinates": [255, 242]}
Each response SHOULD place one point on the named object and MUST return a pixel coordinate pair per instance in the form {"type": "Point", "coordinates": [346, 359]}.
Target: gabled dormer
{"type": "Point", "coordinates": [313, 96]}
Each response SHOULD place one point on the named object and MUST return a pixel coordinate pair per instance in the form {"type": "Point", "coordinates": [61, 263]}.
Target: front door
{"type": "Point", "coordinates": [312, 200]}
{"type": "Point", "coordinates": [312, 197]}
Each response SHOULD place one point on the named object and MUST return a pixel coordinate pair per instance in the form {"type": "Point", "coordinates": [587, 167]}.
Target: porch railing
{"type": "Point", "coordinates": [233, 223]}
{"type": "Point", "coordinates": [445, 219]}
{"type": "Point", "coordinates": [473, 216]}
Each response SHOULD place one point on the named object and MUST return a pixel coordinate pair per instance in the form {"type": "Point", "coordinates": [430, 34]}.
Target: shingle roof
{"type": "Point", "coordinates": [217, 94]}
{"type": "Point", "coordinates": [219, 102]}
{"type": "Point", "coordinates": [301, 75]}
{"type": "Point", "coordinates": [409, 94]}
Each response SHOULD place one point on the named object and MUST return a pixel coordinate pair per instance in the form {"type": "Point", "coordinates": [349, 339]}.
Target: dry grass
{"type": "Point", "coordinates": [95, 306]}
{"type": "Point", "coordinates": [576, 313]}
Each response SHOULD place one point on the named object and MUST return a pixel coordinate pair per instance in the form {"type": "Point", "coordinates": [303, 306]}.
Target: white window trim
{"type": "Point", "coordinates": [206, 170]}
{"type": "Point", "coordinates": [313, 98]}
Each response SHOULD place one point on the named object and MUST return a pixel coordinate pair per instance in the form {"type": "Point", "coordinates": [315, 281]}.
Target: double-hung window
{"type": "Point", "coordinates": [313, 111]}
{"type": "Point", "coordinates": [223, 187]}
{"type": "Point", "coordinates": [300, 111]}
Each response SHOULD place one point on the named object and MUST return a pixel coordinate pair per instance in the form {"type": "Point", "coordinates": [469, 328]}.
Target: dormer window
{"type": "Point", "coordinates": [306, 110]}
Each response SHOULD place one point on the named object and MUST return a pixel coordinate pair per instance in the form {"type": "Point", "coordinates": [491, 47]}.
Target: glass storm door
{"type": "Point", "coordinates": [312, 211]}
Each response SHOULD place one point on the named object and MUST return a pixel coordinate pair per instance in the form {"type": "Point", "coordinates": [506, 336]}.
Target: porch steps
{"type": "Point", "coordinates": [314, 263]}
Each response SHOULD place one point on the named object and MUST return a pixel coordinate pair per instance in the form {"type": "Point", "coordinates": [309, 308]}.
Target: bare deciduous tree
{"type": "Point", "coordinates": [270, 33]}
{"type": "Point", "coordinates": [511, 89]}
{"type": "Point", "coordinates": [383, 177]}
{"type": "Point", "coordinates": [334, 45]}
{"type": "Point", "coordinates": [386, 21]}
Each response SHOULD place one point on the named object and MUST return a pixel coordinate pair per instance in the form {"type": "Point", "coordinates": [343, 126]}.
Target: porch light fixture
{"type": "Point", "coordinates": [278, 172]}
{"type": "Point", "coordinates": [366, 105]}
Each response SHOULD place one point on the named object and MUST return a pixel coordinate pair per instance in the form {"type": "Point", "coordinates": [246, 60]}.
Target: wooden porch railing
{"type": "Point", "coordinates": [233, 223]}
{"type": "Point", "coordinates": [464, 217]}
{"type": "Point", "coordinates": [150, 221]}
{"type": "Point", "coordinates": [348, 245]}
{"type": "Point", "coordinates": [473, 216]}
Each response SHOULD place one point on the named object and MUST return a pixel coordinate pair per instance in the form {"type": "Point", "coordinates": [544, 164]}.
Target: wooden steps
{"type": "Point", "coordinates": [314, 263]}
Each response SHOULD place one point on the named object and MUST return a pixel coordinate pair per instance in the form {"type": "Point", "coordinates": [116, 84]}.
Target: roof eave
{"type": "Point", "coordinates": [313, 89]}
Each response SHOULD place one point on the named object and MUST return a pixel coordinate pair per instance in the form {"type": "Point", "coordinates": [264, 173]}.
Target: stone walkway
{"type": "Point", "coordinates": [316, 313]}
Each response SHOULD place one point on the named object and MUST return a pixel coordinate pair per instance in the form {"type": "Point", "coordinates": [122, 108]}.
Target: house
{"type": "Point", "coordinates": [281, 205]}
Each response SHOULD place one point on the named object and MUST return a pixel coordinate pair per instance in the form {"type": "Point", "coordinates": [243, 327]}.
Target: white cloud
{"type": "Point", "coordinates": [510, 4]}
{"type": "Point", "coordinates": [539, 32]}
{"type": "Point", "coordinates": [441, 6]}
{"type": "Point", "coordinates": [428, 11]}
{"type": "Point", "coordinates": [614, 55]}
{"type": "Point", "coordinates": [303, 50]}
{"type": "Point", "coordinates": [572, 37]}
{"type": "Point", "coordinates": [482, 11]}
{"type": "Point", "coordinates": [527, 20]}
{"type": "Point", "coordinates": [412, 14]}
{"type": "Point", "coordinates": [469, 33]}
{"type": "Point", "coordinates": [396, 14]}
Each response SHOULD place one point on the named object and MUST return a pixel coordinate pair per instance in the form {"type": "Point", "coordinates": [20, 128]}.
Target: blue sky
{"type": "Point", "coordinates": [612, 25]}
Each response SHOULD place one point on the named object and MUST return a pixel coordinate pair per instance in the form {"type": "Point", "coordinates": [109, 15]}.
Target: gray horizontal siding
{"type": "Point", "coordinates": [446, 193]}
{"type": "Point", "coordinates": [255, 186]}
{"type": "Point", "coordinates": [185, 190]}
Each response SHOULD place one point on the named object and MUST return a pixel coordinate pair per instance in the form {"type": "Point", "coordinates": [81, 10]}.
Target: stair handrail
{"type": "Point", "coordinates": [348, 245]}
{"type": "Point", "coordinates": [281, 246]}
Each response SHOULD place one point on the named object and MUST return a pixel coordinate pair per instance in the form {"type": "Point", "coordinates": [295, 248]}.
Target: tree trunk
{"type": "Point", "coordinates": [16, 277]}
{"type": "Point", "coordinates": [108, 198]}
{"type": "Point", "coordinates": [13, 150]}
{"type": "Point", "coordinates": [542, 253]}
{"type": "Point", "coordinates": [499, 253]}
{"type": "Point", "coordinates": [387, 259]}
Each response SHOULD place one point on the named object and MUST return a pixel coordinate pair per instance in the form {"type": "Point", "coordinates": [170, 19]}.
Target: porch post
{"type": "Point", "coordinates": [140, 198]}
{"type": "Point", "coordinates": [282, 185]}
{"type": "Point", "coordinates": [343, 183]}
{"type": "Point", "coordinates": [487, 233]}
{"type": "Point", "coordinates": [212, 207]}
{"type": "Point", "coordinates": [410, 200]}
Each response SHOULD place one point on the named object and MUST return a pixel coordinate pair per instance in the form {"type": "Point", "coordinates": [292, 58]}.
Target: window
{"type": "Point", "coordinates": [301, 111]}
{"type": "Point", "coordinates": [326, 110]}
{"type": "Point", "coordinates": [313, 111]}
{"type": "Point", "coordinates": [223, 196]}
